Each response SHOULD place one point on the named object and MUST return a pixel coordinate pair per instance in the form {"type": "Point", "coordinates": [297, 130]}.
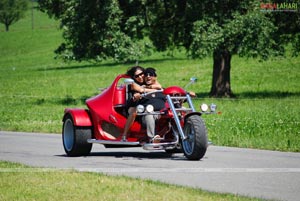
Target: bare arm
{"type": "Point", "coordinates": [141, 89]}
{"type": "Point", "coordinates": [137, 88]}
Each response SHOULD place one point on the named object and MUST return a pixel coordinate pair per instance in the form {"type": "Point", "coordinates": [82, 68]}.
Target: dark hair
{"type": "Point", "coordinates": [133, 69]}
{"type": "Point", "coordinates": [151, 71]}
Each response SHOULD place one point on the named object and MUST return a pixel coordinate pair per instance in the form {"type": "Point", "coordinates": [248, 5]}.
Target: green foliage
{"type": "Point", "coordinates": [296, 45]}
{"type": "Point", "coordinates": [287, 24]}
{"type": "Point", "coordinates": [207, 37]}
{"type": "Point", "coordinates": [241, 29]}
{"type": "Point", "coordinates": [115, 29]}
{"type": "Point", "coordinates": [94, 30]}
{"type": "Point", "coordinates": [11, 11]}
{"type": "Point", "coordinates": [252, 35]}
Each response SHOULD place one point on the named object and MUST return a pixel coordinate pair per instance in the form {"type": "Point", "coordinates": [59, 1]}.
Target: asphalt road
{"type": "Point", "coordinates": [254, 173]}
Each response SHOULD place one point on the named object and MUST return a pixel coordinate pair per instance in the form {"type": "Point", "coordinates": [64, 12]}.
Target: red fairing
{"type": "Point", "coordinates": [103, 110]}
{"type": "Point", "coordinates": [80, 116]}
{"type": "Point", "coordinates": [174, 90]}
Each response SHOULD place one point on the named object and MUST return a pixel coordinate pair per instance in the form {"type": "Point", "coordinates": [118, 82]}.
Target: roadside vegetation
{"type": "Point", "coordinates": [20, 182]}
{"type": "Point", "coordinates": [35, 88]}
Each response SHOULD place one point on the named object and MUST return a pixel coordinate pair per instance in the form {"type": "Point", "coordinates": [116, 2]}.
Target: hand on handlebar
{"type": "Point", "coordinates": [192, 94]}
{"type": "Point", "coordinates": [137, 96]}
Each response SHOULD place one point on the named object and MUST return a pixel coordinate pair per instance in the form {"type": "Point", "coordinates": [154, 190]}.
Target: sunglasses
{"type": "Point", "coordinates": [149, 74]}
{"type": "Point", "coordinates": [138, 75]}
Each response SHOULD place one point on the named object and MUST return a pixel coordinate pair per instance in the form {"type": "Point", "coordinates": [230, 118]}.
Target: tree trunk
{"type": "Point", "coordinates": [221, 74]}
{"type": "Point", "coordinates": [6, 27]}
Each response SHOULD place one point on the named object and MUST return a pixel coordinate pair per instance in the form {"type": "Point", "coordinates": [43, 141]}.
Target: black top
{"type": "Point", "coordinates": [130, 101]}
{"type": "Point", "coordinates": [156, 99]}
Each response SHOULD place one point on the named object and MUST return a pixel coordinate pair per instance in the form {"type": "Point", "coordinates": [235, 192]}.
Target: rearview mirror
{"type": "Point", "coordinates": [128, 81]}
{"type": "Point", "coordinates": [192, 80]}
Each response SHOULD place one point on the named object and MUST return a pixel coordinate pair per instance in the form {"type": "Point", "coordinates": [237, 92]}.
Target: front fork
{"type": "Point", "coordinates": [175, 110]}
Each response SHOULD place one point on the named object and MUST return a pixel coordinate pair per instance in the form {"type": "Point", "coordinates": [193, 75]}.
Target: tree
{"type": "Point", "coordinates": [96, 29]}
{"type": "Point", "coordinates": [11, 11]}
{"type": "Point", "coordinates": [221, 29]}
{"type": "Point", "coordinates": [216, 28]}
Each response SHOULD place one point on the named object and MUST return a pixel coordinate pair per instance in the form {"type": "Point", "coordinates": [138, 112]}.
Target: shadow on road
{"type": "Point", "coordinates": [137, 155]}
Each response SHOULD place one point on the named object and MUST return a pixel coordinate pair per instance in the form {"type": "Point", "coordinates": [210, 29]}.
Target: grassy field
{"type": "Point", "coordinates": [19, 182]}
{"type": "Point", "coordinates": [35, 88]}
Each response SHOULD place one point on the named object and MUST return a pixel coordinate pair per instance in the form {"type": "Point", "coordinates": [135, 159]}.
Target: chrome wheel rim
{"type": "Point", "coordinates": [68, 135]}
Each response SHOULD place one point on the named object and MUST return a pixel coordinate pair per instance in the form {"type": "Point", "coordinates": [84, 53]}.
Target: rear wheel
{"type": "Point", "coordinates": [195, 145]}
{"type": "Point", "coordinates": [75, 138]}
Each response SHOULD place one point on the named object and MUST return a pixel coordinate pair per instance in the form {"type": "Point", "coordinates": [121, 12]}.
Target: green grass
{"type": "Point", "coordinates": [19, 182]}
{"type": "Point", "coordinates": [35, 88]}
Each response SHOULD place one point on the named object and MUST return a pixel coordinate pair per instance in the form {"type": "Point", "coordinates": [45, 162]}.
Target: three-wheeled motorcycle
{"type": "Point", "coordinates": [180, 127]}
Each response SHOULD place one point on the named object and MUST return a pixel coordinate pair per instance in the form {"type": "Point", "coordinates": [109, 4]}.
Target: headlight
{"type": "Point", "coordinates": [204, 107]}
{"type": "Point", "coordinates": [140, 108]}
{"type": "Point", "coordinates": [149, 108]}
{"type": "Point", "coordinates": [213, 107]}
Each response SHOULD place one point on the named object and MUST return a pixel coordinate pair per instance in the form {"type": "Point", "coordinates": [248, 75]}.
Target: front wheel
{"type": "Point", "coordinates": [195, 145]}
{"type": "Point", "coordinates": [75, 138]}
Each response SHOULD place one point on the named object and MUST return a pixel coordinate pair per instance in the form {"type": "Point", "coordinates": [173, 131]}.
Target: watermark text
{"type": "Point", "coordinates": [279, 7]}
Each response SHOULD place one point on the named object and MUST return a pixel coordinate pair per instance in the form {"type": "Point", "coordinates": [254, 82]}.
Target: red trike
{"type": "Point", "coordinates": [180, 126]}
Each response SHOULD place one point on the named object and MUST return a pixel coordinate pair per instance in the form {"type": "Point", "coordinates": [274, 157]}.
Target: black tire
{"type": "Point", "coordinates": [195, 145]}
{"type": "Point", "coordinates": [75, 138]}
